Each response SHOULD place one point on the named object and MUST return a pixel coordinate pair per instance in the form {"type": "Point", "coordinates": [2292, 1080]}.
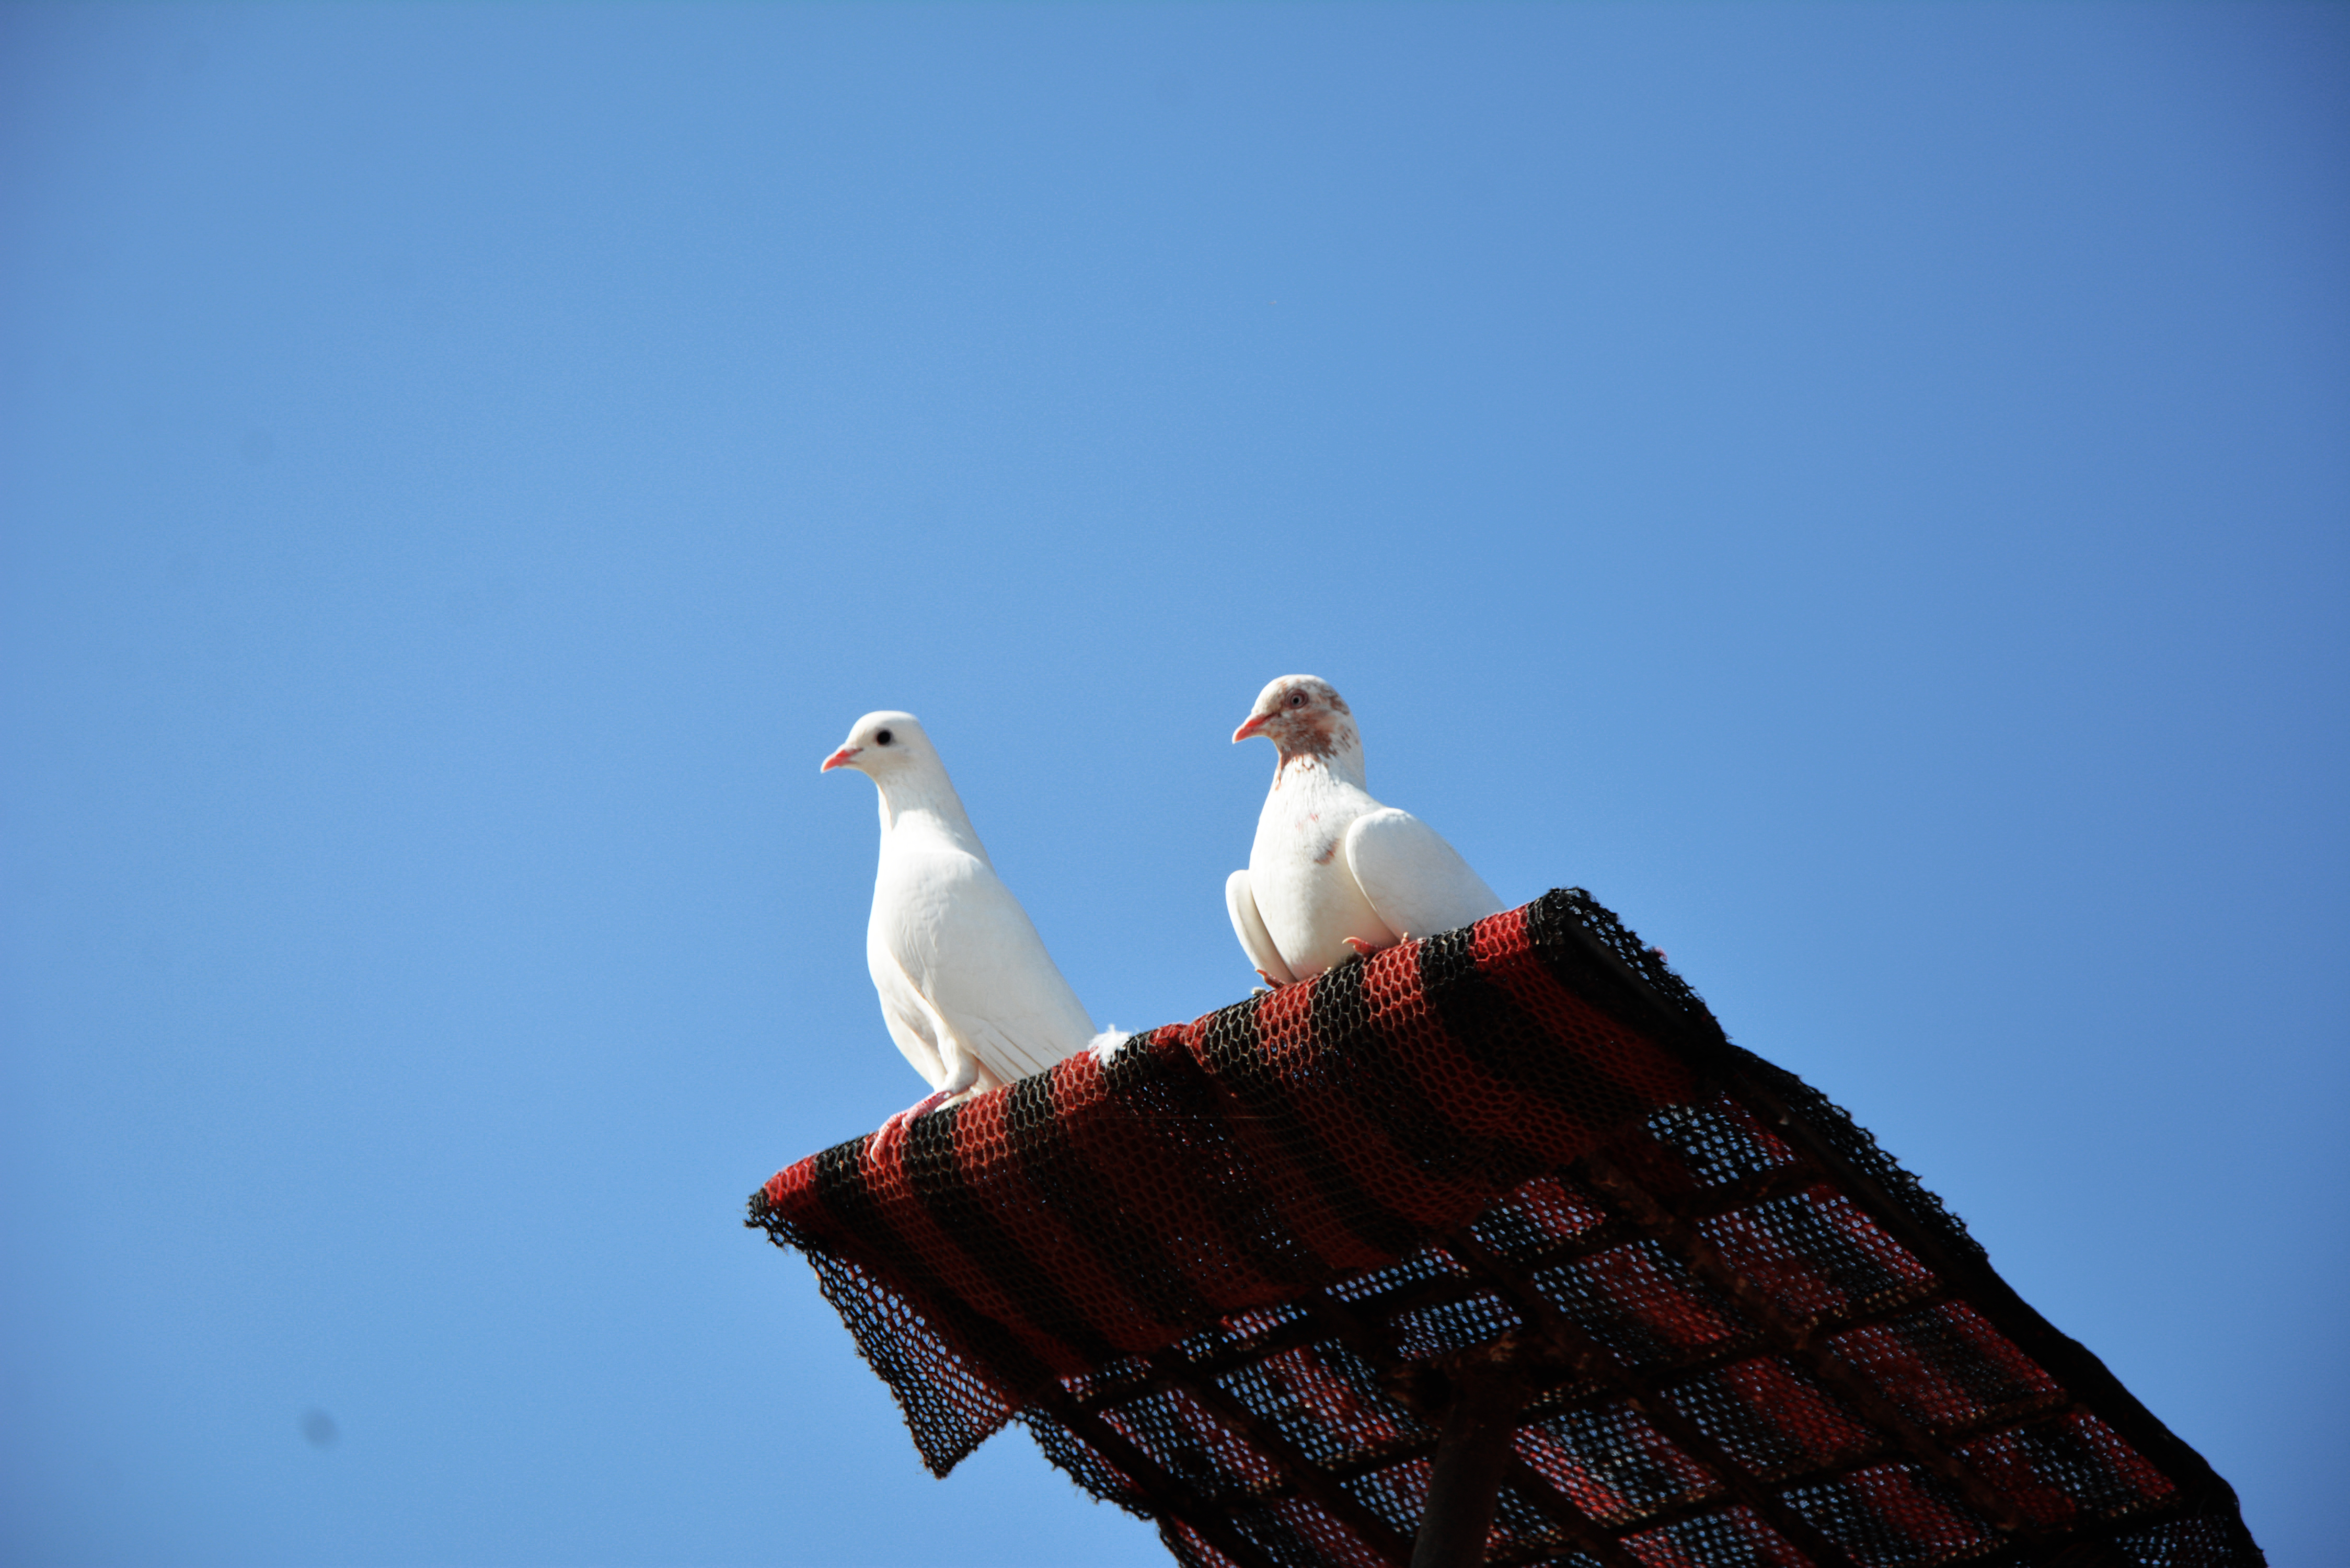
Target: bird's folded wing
{"type": "Point", "coordinates": [1239, 903]}
{"type": "Point", "coordinates": [997, 987]}
{"type": "Point", "coordinates": [905, 1011]}
{"type": "Point", "coordinates": [1416, 882]}
{"type": "Point", "coordinates": [1011, 1057]}
{"type": "Point", "coordinates": [916, 1045]}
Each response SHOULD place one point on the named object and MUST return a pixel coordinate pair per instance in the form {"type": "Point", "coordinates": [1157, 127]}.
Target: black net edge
{"type": "Point", "coordinates": [1859, 1146]}
{"type": "Point", "coordinates": [1700, 1035]}
{"type": "Point", "coordinates": [2211, 1538]}
{"type": "Point", "coordinates": [949, 1410]}
{"type": "Point", "coordinates": [1646, 964]}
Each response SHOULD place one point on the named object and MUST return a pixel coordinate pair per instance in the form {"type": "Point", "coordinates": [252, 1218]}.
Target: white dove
{"type": "Point", "coordinates": [1333, 869]}
{"type": "Point", "coordinates": [967, 989]}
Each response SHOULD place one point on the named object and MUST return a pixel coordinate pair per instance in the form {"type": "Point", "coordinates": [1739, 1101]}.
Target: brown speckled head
{"type": "Point", "coordinates": [1302, 717]}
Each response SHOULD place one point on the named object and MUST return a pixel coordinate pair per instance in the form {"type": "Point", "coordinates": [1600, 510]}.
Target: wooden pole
{"type": "Point", "coordinates": [1471, 1454]}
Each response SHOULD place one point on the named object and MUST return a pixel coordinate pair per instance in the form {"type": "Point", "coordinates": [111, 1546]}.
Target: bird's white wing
{"type": "Point", "coordinates": [911, 1022]}
{"type": "Point", "coordinates": [1416, 882]}
{"type": "Point", "coordinates": [972, 951]}
{"type": "Point", "coordinates": [1249, 926]}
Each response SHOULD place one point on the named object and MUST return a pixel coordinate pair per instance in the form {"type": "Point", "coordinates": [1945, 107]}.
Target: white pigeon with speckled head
{"type": "Point", "coordinates": [1332, 870]}
{"type": "Point", "coordinates": [967, 989]}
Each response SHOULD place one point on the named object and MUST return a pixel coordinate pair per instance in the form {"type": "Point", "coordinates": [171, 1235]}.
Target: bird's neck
{"type": "Point", "coordinates": [1340, 763]}
{"type": "Point", "coordinates": [927, 807]}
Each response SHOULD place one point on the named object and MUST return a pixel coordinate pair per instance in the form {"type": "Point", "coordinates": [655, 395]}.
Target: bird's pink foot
{"type": "Point", "coordinates": [1362, 949]}
{"type": "Point", "coordinates": [921, 1107]}
{"type": "Point", "coordinates": [895, 1127]}
{"type": "Point", "coordinates": [1271, 983]}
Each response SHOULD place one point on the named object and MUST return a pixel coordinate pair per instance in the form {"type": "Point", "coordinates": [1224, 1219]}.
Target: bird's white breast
{"type": "Point", "coordinates": [921, 880]}
{"type": "Point", "coordinates": [1305, 893]}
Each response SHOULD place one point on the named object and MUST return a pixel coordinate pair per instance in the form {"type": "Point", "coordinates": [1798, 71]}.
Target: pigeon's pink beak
{"type": "Point", "coordinates": [1255, 725]}
{"type": "Point", "coordinates": [839, 759]}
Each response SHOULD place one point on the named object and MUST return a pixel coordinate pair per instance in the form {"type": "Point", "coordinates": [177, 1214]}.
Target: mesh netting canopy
{"type": "Point", "coordinates": [1244, 1278]}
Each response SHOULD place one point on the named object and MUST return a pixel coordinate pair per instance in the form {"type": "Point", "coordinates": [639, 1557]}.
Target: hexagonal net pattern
{"type": "Point", "coordinates": [1229, 1280]}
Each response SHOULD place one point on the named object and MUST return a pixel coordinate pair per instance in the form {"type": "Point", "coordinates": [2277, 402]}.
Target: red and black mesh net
{"type": "Point", "coordinates": [1225, 1279]}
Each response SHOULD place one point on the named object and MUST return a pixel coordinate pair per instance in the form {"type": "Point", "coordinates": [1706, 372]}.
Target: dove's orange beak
{"type": "Point", "coordinates": [1255, 725]}
{"type": "Point", "coordinates": [839, 759]}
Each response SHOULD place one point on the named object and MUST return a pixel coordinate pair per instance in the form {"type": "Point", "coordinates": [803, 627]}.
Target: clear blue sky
{"type": "Point", "coordinates": [1861, 489]}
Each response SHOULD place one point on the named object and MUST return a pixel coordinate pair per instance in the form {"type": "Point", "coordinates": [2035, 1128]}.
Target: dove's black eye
{"type": "Point", "coordinates": [1297, 698]}
{"type": "Point", "coordinates": [882, 736]}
